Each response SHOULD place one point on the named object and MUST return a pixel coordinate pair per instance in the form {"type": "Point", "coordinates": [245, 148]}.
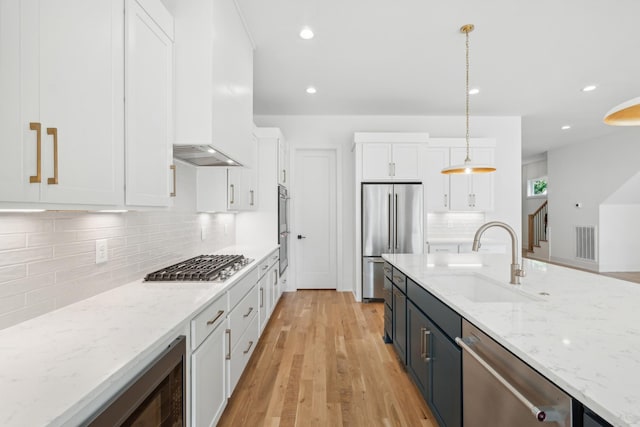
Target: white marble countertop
{"type": "Point", "coordinates": [59, 368]}
{"type": "Point", "coordinates": [584, 335]}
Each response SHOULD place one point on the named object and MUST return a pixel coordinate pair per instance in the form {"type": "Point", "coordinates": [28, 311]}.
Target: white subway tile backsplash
{"type": "Point", "coordinates": [453, 225]}
{"type": "Point", "coordinates": [47, 260]}
{"type": "Point", "coordinates": [12, 241]}
{"type": "Point", "coordinates": [26, 284]}
{"type": "Point", "coordinates": [22, 256]}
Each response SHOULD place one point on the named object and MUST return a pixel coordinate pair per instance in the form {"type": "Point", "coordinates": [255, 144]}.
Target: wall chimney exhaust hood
{"type": "Point", "coordinates": [202, 155]}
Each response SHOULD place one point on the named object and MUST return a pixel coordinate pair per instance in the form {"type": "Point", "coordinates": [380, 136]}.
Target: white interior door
{"type": "Point", "coordinates": [315, 214]}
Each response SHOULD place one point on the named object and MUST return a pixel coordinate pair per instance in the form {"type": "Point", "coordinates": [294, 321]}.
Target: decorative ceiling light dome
{"type": "Point", "coordinates": [468, 166]}
{"type": "Point", "coordinates": [625, 114]}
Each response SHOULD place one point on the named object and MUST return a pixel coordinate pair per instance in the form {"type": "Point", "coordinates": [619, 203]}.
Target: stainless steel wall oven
{"type": "Point", "coordinates": [156, 397]}
{"type": "Point", "coordinates": [283, 227]}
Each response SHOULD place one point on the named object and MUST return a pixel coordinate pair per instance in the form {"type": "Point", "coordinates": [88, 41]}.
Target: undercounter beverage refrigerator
{"type": "Point", "coordinates": [391, 223]}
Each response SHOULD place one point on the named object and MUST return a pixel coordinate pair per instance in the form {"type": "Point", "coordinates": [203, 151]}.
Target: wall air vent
{"type": "Point", "coordinates": [586, 242]}
{"type": "Point", "coordinates": [202, 155]}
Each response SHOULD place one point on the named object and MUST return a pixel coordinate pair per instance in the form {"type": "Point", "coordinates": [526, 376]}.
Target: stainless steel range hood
{"type": "Point", "coordinates": [202, 155]}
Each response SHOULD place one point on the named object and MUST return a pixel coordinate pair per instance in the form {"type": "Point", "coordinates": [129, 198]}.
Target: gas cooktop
{"type": "Point", "coordinates": [200, 268]}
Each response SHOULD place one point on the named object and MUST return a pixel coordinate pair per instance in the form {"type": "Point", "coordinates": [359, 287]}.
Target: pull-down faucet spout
{"type": "Point", "coordinates": [516, 271]}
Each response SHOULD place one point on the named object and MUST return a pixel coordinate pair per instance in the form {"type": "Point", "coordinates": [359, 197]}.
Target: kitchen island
{"type": "Point", "coordinates": [59, 368]}
{"type": "Point", "coordinates": [578, 329]}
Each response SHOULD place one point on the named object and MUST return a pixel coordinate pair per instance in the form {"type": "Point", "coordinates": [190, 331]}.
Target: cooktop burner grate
{"type": "Point", "coordinates": [199, 268]}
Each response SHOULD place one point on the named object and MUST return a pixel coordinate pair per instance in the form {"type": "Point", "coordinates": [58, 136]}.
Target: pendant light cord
{"type": "Point", "coordinates": [468, 159]}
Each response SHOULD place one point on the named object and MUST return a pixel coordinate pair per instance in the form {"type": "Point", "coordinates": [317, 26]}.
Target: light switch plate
{"type": "Point", "coordinates": [102, 251]}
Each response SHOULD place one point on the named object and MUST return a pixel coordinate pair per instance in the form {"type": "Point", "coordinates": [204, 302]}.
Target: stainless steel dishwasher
{"type": "Point", "coordinates": [500, 390]}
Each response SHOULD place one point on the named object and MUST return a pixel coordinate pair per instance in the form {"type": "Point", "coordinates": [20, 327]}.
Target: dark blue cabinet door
{"type": "Point", "coordinates": [417, 362]}
{"type": "Point", "coordinates": [399, 310]}
{"type": "Point", "coordinates": [446, 378]}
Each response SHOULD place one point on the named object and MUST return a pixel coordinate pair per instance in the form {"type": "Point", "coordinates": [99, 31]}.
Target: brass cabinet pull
{"type": "Point", "coordinates": [284, 175]}
{"type": "Point", "coordinates": [233, 194]}
{"type": "Point", "coordinates": [251, 191]}
{"type": "Point", "coordinates": [38, 176]}
{"type": "Point", "coordinates": [228, 355]}
{"type": "Point", "coordinates": [248, 348]}
{"type": "Point", "coordinates": [173, 169]}
{"type": "Point", "coordinates": [248, 312]}
{"type": "Point", "coordinates": [427, 337]}
{"type": "Point", "coordinates": [261, 297]}
{"type": "Point", "coordinates": [212, 321]}
{"type": "Point", "coordinates": [54, 133]}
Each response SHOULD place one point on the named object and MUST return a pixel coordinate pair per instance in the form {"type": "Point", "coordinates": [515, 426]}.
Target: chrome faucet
{"type": "Point", "coordinates": [516, 271]}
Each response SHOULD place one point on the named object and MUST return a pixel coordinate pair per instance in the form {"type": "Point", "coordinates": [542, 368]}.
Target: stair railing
{"type": "Point", "coordinates": [537, 226]}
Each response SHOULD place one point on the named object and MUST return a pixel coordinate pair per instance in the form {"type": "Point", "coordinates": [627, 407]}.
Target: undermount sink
{"type": "Point", "coordinates": [482, 290]}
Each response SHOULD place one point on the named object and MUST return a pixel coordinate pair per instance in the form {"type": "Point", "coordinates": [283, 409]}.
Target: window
{"type": "Point", "coordinates": [537, 187]}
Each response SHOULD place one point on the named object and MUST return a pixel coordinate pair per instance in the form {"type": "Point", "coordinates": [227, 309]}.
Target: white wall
{"type": "Point", "coordinates": [619, 238]}
{"type": "Point", "coordinates": [337, 131]}
{"type": "Point", "coordinates": [588, 173]}
{"type": "Point", "coordinates": [531, 170]}
{"type": "Point", "coordinates": [47, 260]}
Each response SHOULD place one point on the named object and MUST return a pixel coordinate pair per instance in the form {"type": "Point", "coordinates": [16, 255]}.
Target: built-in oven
{"type": "Point", "coordinates": [156, 397]}
{"type": "Point", "coordinates": [283, 227]}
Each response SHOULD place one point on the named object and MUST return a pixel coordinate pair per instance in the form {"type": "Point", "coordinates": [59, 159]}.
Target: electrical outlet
{"type": "Point", "coordinates": [102, 251]}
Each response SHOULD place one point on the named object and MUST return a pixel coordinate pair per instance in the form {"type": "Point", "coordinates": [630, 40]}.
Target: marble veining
{"type": "Point", "coordinates": [584, 335]}
{"type": "Point", "coordinates": [59, 368]}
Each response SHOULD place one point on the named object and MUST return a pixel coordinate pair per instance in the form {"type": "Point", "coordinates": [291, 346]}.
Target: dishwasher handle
{"type": "Point", "coordinates": [539, 413]}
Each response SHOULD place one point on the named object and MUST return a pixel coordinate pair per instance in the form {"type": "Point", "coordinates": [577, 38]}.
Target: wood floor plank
{"type": "Point", "coordinates": [321, 361]}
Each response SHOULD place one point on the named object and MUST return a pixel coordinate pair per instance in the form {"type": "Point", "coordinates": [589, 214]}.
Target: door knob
{"type": "Point", "coordinates": [300, 236]}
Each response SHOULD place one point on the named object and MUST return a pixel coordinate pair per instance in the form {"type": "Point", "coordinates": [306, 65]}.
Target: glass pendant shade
{"type": "Point", "coordinates": [625, 114]}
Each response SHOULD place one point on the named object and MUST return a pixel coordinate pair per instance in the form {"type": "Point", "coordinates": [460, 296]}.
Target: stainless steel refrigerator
{"type": "Point", "coordinates": [391, 223]}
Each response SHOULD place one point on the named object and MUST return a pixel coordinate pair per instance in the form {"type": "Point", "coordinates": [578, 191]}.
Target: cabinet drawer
{"type": "Point", "coordinates": [243, 314]}
{"type": "Point", "coordinates": [443, 248]}
{"type": "Point", "coordinates": [387, 291]}
{"type": "Point", "coordinates": [273, 257]}
{"type": "Point", "coordinates": [399, 279]}
{"type": "Point", "coordinates": [448, 320]}
{"type": "Point", "coordinates": [388, 270]}
{"type": "Point", "coordinates": [239, 357]}
{"type": "Point", "coordinates": [240, 289]}
{"type": "Point", "coordinates": [208, 319]}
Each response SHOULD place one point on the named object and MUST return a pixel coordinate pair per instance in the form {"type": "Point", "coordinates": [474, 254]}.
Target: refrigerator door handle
{"type": "Point", "coordinates": [376, 261]}
{"type": "Point", "coordinates": [389, 222]}
{"type": "Point", "coordinates": [395, 220]}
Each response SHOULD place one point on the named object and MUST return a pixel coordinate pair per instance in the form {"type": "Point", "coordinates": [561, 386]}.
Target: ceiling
{"type": "Point", "coordinates": [406, 57]}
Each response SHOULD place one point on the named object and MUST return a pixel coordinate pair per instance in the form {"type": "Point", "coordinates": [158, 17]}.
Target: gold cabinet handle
{"type": "Point", "coordinates": [251, 192]}
{"type": "Point", "coordinates": [228, 355]}
{"type": "Point", "coordinates": [248, 348]}
{"type": "Point", "coordinates": [173, 169]}
{"type": "Point", "coordinates": [54, 133]}
{"type": "Point", "coordinates": [248, 312]}
{"type": "Point", "coordinates": [233, 194]}
{"type": "Point", "coordinates": [212, 321]}
{"type": "Point", "coordinates": [38, 176]}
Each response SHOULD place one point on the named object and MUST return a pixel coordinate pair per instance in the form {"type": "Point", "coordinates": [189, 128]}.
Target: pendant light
{"type": "Point", "coordinates": [468, 166]}
{"type": "Point", "coordinates": [625, 114]}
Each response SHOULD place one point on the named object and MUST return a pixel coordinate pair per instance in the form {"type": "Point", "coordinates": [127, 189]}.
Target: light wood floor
{"type": "Point", "coordinates": [321, 362]}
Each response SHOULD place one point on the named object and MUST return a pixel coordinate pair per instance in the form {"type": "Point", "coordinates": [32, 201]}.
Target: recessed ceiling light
{"type": "Point", "coordinates": [306, 33]}
{"type": "Point", "coordinates": [311, 90]}
{"type": "Point", "coordinates": [565, 127]}
{"type": "Point", "coordinates": [474, 91]}
{"type": "Point", "coordinates": [589, 88]}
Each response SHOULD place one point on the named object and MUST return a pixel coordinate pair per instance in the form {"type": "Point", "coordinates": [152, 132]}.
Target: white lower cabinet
{"type": "Point", "coordinates": [264, 298]}
{"type": "Point", "coordinates": [208, 385]}
{"type": "Point", "coordinates": [242, 352]}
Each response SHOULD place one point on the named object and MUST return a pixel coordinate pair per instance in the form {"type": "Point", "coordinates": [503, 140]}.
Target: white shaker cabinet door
{"type": "Point", "coordinates": [472, 192]}
{"type": "Point", "coordinates": [149, 83]}
{"type": "Point", "coordinates": [81, 100]}
{"type": "Point", "coordinates": [406, 161]}
{"type": "Point", "coordinates": [376, 161]}
{"type": "Point", "coordinates": [19, 105]}
{"type": "Point", "coordinates": [436, 183]}
{"type": "Point", "coordinates": [208, 384]}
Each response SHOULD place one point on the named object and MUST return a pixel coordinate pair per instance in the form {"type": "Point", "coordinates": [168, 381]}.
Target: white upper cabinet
{"type": "Point", "coordinates": [436, 184]}
{"type": "Point", "coordinates": [62, 112]}
{"type": "Point", "coordinates": [283, 161]}
{"type": "Point", "coordinates": [390, 161]}
{"type": "Point", "coordinates": [214, 77]}
{"type": "Point", "coordinates": [389, 155]}
{"type": "Point", "coordinates": [149, 112]}
{"type": "Point", "coordinates": [472, 192]}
